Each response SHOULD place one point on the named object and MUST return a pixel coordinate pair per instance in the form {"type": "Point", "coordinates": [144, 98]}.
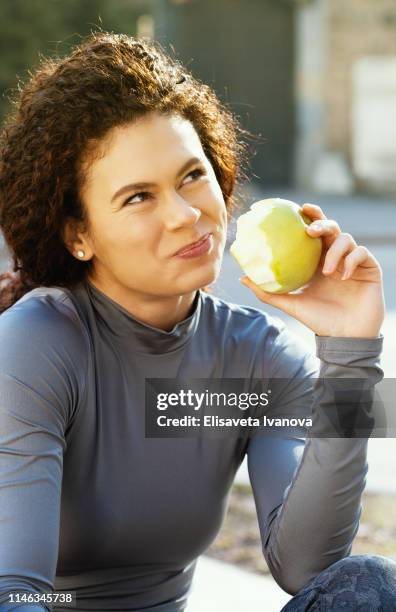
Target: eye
{"type": "Point", "coordinates": [136, 195]}
{"type": "Point", "coordinates": [197, 173]}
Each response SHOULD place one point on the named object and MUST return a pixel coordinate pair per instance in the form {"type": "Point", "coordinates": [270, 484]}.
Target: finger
{"type": "Point", "coordinates": [343, 245]}
{"type": "Point", "coordinates": [328, 229]}
{"type": "Point", "coordinates": [313, 211]}
{"type": "Point", "coordinates": [360, 256]}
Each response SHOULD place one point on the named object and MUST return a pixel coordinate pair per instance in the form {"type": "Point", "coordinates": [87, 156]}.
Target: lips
{"type": "Point", "coordinates": [188, 247]}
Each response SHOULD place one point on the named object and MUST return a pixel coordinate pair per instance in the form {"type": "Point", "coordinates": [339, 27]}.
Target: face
{"type": "Point", "coordinates": [135, 229]}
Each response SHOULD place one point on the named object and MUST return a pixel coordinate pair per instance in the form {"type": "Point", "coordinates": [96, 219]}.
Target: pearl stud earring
{"type": "Point", "coordinates": [80, 253]}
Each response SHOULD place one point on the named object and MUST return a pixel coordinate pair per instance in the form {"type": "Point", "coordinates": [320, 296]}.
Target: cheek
{"type": "Point", "coordinates": [115, 235]}
{"type": "Point", "coordinates": [139, 235]}
{"type": "Point", "coordinates": [213, 200]}
{"type": "Point", "coordinates": [216, 191]}
{"type": "Point", "coordinates": [221, 213]}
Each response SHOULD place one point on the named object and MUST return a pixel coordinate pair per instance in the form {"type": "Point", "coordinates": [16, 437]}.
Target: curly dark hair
{"type": "Point", "coordinates": [61, 114]}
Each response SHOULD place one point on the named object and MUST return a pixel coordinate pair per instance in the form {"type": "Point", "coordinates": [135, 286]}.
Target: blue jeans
{"type": "Point", "coordinates": [366, 583]}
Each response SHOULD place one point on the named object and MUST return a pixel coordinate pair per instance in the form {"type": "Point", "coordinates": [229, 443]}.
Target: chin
{"type": "Point", "coordinates": [200, 279]}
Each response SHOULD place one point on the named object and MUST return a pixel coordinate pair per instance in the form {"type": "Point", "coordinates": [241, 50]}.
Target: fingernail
{"type": "Point", "coordinates": [315, 226]}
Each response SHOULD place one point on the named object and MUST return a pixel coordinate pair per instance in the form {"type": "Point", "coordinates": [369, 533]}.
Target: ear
{"type": "Point", "coordinates": [75, 239]}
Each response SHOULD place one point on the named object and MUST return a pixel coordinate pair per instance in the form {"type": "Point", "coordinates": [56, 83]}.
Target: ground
{"type": "Point", "coordinates": [239, 542]}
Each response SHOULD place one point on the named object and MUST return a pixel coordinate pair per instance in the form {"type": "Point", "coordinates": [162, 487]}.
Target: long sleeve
{"type": "Point", "coordinates": [308, 490]}
{"type": "Point", "coordinates": [40, 388]}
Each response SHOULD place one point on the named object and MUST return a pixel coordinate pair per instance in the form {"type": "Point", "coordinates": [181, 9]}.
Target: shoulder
{"type": "Point", "coordinates": [281, 350]}
{"type": "Point", "coordinates": [44, 342]}
{"type": "Point", "coordinates": [241, 319]}
{"type": "Point", "coordinates": [44, 315]}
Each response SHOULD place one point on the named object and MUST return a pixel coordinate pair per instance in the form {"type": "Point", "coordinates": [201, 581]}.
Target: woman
{"type": "Point", "coordinates": [114, 161]}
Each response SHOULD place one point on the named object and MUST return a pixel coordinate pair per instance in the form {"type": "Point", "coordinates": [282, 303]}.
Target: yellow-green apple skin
{"type": "Point", "coordinates": [273, 248]}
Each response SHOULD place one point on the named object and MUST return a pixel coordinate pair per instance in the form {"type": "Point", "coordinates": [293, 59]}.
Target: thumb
{"type": "Point", "coordinates": [283, 301]}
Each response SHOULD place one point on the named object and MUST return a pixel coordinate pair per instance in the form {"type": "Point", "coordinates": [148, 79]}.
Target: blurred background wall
{"type": "Point", "coordinates": [315, 80]}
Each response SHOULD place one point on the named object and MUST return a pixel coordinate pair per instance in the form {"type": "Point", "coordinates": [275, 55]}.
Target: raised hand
{"type": "Point", "coordinates": [345, 296]}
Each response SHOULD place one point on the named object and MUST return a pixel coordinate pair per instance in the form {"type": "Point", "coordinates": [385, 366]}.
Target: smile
{"type": "Point", "coordinates": [200, 248]}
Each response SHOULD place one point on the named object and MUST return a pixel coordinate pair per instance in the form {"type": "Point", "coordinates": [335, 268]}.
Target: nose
{"type": "Point", "coordinates": [178, 212]}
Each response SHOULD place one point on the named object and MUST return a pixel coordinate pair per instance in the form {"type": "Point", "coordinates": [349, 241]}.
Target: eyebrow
{"type": "Point", "coordinates": [133, 186]}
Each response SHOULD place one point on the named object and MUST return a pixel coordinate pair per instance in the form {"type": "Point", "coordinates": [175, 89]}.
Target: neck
{"type": "Point", "coordinates": [163, 312]}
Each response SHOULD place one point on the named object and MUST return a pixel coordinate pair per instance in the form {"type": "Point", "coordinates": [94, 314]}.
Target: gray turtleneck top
{"type": "Point", "coordinates": [90, 505]}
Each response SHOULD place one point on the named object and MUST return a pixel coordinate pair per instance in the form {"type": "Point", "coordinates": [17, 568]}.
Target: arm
{"type": "Point", "coordinates": [40, 388]}
{"type": "Point", "coordinates": [308, 494]}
